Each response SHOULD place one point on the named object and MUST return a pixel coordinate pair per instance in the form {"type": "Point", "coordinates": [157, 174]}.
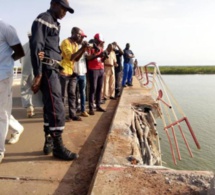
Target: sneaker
{"type": "Point", "coordinates": [1, 156]}
{"type": "Point", "coordinates": [30, 112]}
{"type": "Point", "coordinates": [15, 137]}
{"type": "Point", "coordinates": [68, 119]}
{"type": "Point", "coordinates": [112, 98]}
{"type": "Point", "coordinates": [91, 112]}
{"type": "Point", "coordinates": [78, 110]}
{"type": "Point", "coordinates": [102, 102]}
{"type": "Point", "coordinates": [117, 96]}
{"type": "Point", "coordinates": [76, 118]}
{"type": "Point", "coordinates": [84, 114]}
{"type": "Point", "coordinates": [15, 125]}
{"type": "Point", "coordinates": [100, 109]}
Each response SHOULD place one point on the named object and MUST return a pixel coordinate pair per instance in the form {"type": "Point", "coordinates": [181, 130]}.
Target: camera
{"type": "Point", "coordinates": [105, 54]}
{"type": "Point", "coordinates": [92, 44]}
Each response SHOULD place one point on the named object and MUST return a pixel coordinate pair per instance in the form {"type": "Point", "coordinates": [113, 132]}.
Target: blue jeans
{"type": "Point", "coordinates": [127, 73]}
{"type": "Point", "coordinates": [81, 82]}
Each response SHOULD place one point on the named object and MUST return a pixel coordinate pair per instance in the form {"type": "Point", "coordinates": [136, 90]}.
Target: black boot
{"type": "Point", "coordinates": [48, 145]}
{"type": "Point", "coordinates": [59, 151]}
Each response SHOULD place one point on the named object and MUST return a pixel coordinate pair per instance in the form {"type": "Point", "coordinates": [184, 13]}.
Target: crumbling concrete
{"type": "Point", "coordinates": [115, 174]}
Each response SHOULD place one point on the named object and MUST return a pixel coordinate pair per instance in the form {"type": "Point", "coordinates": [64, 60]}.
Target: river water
{"type": "Point", "coordinates": [195, 94]}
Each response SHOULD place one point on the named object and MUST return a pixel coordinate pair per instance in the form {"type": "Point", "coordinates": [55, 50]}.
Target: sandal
{"type": "Point", "coordinates": [76, 118]}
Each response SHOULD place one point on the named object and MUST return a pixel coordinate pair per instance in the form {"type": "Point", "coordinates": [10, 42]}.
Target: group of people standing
{"type": "Point", "coordinates": [59, 69]}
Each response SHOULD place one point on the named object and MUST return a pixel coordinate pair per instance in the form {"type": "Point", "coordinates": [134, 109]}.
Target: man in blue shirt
{"type": "Point", "coordinates": [10, 50]}
{"type": "Point", "coordinates": [128, 66]}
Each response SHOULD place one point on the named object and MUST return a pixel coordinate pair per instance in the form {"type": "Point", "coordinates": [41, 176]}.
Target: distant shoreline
{"type": "Point", "coordinates": [174, 69]}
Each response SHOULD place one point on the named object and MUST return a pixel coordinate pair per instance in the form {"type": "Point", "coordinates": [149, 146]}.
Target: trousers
{"type": "Point", "coordinates": [5, 109]}
{"type": "Point", "coordinates": [82, 88]}
{"type": "Point", "coordinates": [68, 84]}
{"type": "Point", "coordinates": [127, 73]}
{"type": "Point", "coordinates": [6, 119]}
{"type": "Point", "coordinates": [96, 81]}
{"type": "Point", "coordinates": [118, 82]}
{"type": "Point", "coordinates": [53, 110]}
{"type": "Point", "coordinates": [109, 82]}
{"type": "Point", "coordinates": [27, 97]}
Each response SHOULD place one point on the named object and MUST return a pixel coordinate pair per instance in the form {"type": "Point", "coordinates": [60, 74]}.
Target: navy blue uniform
{"type": "Point", "coordinates": [45, 37]}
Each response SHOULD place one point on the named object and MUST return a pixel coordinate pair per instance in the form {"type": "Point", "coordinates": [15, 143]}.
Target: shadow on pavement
{"type": "Point", "coordinates": [82, 170]}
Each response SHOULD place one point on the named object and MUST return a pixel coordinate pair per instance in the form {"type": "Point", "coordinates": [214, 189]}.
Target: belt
{"type": "Point", "coordinates": [52, 62]}
{"type": "Point", "coordinates": [108, 65]}
{"type": "Point", "coordinates": [65, 74]}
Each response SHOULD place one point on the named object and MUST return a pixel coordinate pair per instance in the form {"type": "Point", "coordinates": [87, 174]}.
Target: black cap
{"type": "Point", "coordinates": [65, 4]}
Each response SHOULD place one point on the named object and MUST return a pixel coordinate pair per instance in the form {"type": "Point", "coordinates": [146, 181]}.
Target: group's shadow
{"type": "Point", "coordinates": [79, 177]}
{"type": "Point", "coordinates": [26, 157]}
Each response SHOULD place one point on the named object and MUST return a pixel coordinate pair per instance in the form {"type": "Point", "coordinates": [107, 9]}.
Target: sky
{"type": "Point", "coordinates": [168, 32]}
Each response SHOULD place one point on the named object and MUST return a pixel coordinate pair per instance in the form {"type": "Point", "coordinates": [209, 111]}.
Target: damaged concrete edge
{"type": "Point", "coordinates": [122, 124]}
{"type": "Point", "coordinates": [120, 142]}
{"type": "Point", "coordinates": [102, 153]}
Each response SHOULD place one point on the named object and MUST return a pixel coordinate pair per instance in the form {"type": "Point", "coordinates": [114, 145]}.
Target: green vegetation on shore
{"type": "Point", "coordinates": [187, 69]}
{"type": "Point", "coordinates": [178, 69]}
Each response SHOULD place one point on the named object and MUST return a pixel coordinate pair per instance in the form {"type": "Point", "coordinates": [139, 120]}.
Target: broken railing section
{"type": "Point", "coordinates": [143, 125]}
{"type": "Point", "coordinates": [172, 115]}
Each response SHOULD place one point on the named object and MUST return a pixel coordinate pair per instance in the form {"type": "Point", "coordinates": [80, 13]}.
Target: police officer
{"type": "Point", "coordinates": [45, 37]}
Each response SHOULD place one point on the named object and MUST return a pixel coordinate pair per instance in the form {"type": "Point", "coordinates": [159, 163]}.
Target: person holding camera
{"type": "Point", "coordinates": [95, 59]}
{"type": "Point", "coordinates": [81, 70]}
{"type": "Point", "coordinates": [68, 78]}
{"type": "Point", "coordinates": [118, 69]}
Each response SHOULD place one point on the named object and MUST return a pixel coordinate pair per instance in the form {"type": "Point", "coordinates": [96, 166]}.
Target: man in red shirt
{"type": "Point", "coordinates": [95, 60]}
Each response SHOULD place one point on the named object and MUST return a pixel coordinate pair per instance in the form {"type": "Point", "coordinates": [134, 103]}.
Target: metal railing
{"type": "Point", "coordinates": [172, 114]}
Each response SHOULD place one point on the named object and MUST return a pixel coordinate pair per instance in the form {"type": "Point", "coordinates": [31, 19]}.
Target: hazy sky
{"type": "Point", "coordinates": [168, 32]}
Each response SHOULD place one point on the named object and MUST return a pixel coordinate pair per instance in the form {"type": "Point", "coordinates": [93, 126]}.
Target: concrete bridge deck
{"type": "Point", "coordinates": [102, 168]}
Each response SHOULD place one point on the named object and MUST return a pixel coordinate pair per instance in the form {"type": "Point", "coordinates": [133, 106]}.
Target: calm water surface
{"type": "Point", "coordinates": [196, 96]}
